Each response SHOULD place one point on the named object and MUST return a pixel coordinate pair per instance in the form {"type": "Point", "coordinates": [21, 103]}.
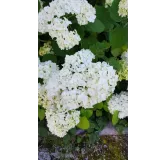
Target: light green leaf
{"type": "Point", "coordinates": [86, 112]}
{"type": "Point", "coordinates": [98, 105]}
{"type": "Point", "coordinates": [84, 123]}
{"type": "Point", "coordinates": [41, 114]}
{"type": "Point", "coordinates": [115, 118]}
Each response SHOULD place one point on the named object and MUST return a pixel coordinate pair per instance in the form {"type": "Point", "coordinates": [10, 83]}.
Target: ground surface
{"type": "Point", "coordinates": [108, 148]}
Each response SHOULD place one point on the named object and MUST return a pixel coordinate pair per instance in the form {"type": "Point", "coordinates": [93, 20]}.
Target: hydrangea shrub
{"type": "Point", "coordinates": [82, 66]}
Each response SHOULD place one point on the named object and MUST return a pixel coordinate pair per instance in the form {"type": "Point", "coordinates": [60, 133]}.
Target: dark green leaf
{"type": "Point", "coordinates": [118, 37]}
{"type": "Point", "coordinates": [73, 131]}
{"type": "Point", "coordinates": [50, 57]}
{"type": "Point", "coordinates": [66, 139]}
{"type": "Point", "coordinates": [101, 13]}
{"type": "Point", "coordinates": [42, 132]}
{"type": "Point", "coordinates": [114, 11]}
{"type": "Point", "coordinates": [97, 26]}
{"type": "Point", "coordinates": [98, 113]}
{"type": "Point", "coordinates": [99, 48]}
{"type": "Point", "coordinates": [115, 63]}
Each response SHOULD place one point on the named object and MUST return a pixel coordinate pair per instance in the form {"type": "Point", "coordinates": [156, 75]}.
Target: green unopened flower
{"type": "Point", "coordinates": [123, 73]}
{"type": "Point", "coordinates": [46, 49]}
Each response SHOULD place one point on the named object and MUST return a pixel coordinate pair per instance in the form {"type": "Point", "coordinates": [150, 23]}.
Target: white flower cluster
{"type": "Point", "coordinates": [123, 8]}
{"type": "Point", "coordinates": [80, 83]}
{"type": "Point", "coordinates": [46, 49]}
{"type": "Point", "coordinates": [108, 3]}
{"type": "Point", "coordinates": [45, 69]}
{"type": "Point", "coordinates": [51, 21]}
{"type": "Point", "coordinates": [119, 102]}
{"type": "Point", "coordinates": [83, 83]}
{"type": "Point", "coordinates": [60, 122]}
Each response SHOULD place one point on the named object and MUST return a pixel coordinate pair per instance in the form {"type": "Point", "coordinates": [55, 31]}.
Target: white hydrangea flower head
{"type": "Point", "coordinates": [119, 102]}
{"type": "Point", "coordinates": [45, 69]}
{"type": "Point", "coordinates": [84, 83]}
{"type": "Point", "coordinates": [50, 20]}
{"type": "Point", "coordinates": [123, 8]}
{"type": "Point", "coordinates": [59, 123]}
{"type": "Point", "coordinates": [108, 3]}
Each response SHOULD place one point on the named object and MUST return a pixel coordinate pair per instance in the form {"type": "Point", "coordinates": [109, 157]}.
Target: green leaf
{"type": "Point", "coordinates": [93, 137]}
{"type": "Point", "coordinates": [86, 112]}
{"type": "Point", "coordinates": [105, 107]}
{"type": "Point", "coordinates": [115, 63]}
{"type": "Point", "coordinates": [116, 52]}
{"type": "Point", "coordinates": [120, 128]}
{"type": "Point", "coordinates": [42, 132]}
{"type": "Point", "coordinates": [97, 26]}
{"type": "Point", "coordinates": [73, 131]}
{"type": "Point", "coordinates": [115, 118]}
{"type": "Point", "coordinates": [66, 139]}
{"type": "Point", "coordinates": [39, 5]}
{"type": "Point", "coordinates": [60, 52]}
{"type": "Point", "coordinates": [84, 123]}
{"type": "Point", "coordinates": [113, 10]}
{"type": "Point", "coordinates": [79, 139]}
{"type": "Point", "coordinates": [99, 48]}
{"type": "Point", "coordinates": [41, 114]}
{"type": "Point", "coordinates": [102, 121]}
{"type": "Point", "coordinates": [118, 37]}
{"type": "Point", "coordinates": [98, 105]}
{"type": "Point", "coordinates": [101, 13]}
{"type": "Point", "coordinates": [87, 42]}
{"type": "Point", "coordinates": [50, 57]}
{"type": "Point", "coordinates": [90, 130]}
{"type": "Point", "coordinates": [98, 113]}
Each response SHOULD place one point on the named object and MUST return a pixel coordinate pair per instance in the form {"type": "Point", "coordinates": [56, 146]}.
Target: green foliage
{"type": "Point", "coordinates": [103, 15]}
{"type": "Point", "coordinates": [42, 131]}
{"type": "Point", "coordinates": [98, 105]}
{"type": "Point", "coordinates": [98, 113]}
{"type": "Point", "coordinates": [79, 139]}
{"type": "Point", "coordinates": [84, 123]}
{"type": "Point", "coordinates": [115, 118]}
{"type": "Point", "coordinates": [97, 26]}
{"type": "Point", "coordinates": [50, 57]}
{"type": "Point", "coordinates": [86, 112]}
{"type": "Point", "coordinates": [115, 63]}
{"type": "Point", "coordinates": [66, 139]}
{"type": "Point", "coordinates": [113, 10]}
{"type": "Point", "coordinates": [118, 37]}
{"type": "Point", "coordinates": [99, 48]}
{"type": "Point", "coordinates": [93, 137]}
{"type": "Point", "coordinates": [41, 113]}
